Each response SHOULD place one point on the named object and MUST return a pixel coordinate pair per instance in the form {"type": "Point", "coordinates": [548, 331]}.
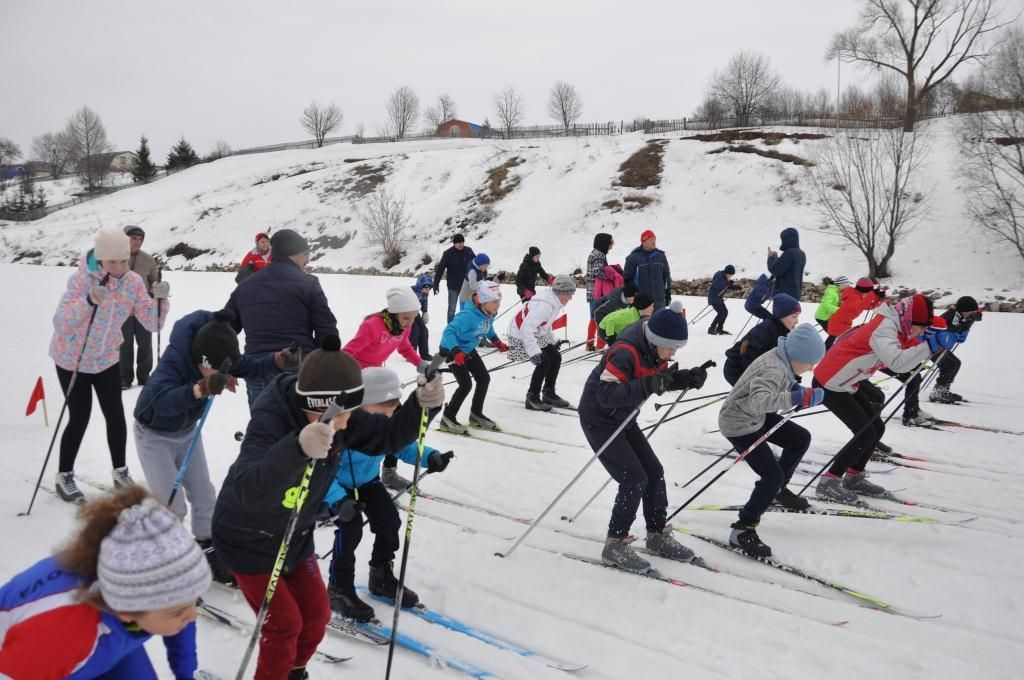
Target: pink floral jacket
{"type": "Point", "coordinates": [127, 296]}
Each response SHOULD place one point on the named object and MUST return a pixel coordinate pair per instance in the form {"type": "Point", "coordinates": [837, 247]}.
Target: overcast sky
{"type": "Point", "coordinates": [242, 70]}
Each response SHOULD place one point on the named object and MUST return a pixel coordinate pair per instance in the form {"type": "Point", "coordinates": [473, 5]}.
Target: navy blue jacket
{"type": "Point", "coordinates": [719, 284]}
{"type": "Point", "coordinates": [455, 263]}
{"type": "Point", "coordinates": [613, 388]}
{"type": "Point", "coordinates": [761, 291]}
{"type": "Point", "coordinates": [279, 305]}
{"type": "Point", "coordinates": [649, 271]}
{"type": "Point", "coordinates": [252, 508]}
{"type": "Point", "coordinates": [761, 338]}
{"type": "Point", "coordinates": [167, 402]}
{"type": "Point", "coordinates": [788, 268]}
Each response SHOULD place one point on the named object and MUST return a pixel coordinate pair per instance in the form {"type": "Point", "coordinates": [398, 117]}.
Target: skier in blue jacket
{"type": "Point", "coordinates": [757, 296]}
{"type": "Point", "coordinates": [788, 268]}
{"type": "Point", "coordinates": [720, 283]}
{"type": "Point", "coordinates": [419, 336]}
{"type": "Point", "coordinates": [357, 489]}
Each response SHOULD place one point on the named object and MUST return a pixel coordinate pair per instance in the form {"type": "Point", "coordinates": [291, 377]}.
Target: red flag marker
{"type": "Point", "coordinates": [37, 395]}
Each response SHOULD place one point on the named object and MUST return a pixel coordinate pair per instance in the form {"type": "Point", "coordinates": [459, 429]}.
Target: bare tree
{"type": "Point", "coordinates": [402, 110]}
{"type": "Point", "coordinates": [54, 149]}
{"type": "Point", "coordinates": [745, 85]}
{"type": "Point", "coordinates": [820, 102]}
{"type": "Point", "coordinates": [992, 144]}
{"type": "Point", "coordinates": [924, 48]}
{"type": "Point", "coordinates": [868, 190]}
{"type": "Point", "coordinates": [511, 109]}
{"type": "Point", "coordinates": [360, 130]}
{"type": "Point", "coordinates": [712, 110]}
{"type": "Point", "coordinates": [220, 150]}
{"type": "Point", "coordinates": [564, 104]}
{"type": "Point", "coordinates": [855, 102]}
{"type": "Point", "coordinates": [88, 137]}
{"type": "Point", "coordinates": [442, 111]}
{"type": "Point", "coordinates": [320, 120]}
{"type": "Point", "coordinates": [387, 223]}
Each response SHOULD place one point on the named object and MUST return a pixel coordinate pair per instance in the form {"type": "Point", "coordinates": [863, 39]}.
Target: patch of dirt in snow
{"type": "Point", "coordinates": [643, 169]}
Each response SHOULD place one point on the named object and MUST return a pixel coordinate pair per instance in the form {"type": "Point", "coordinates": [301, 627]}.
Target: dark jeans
{"type": "Point", "coordinates": [546, 373]}
{"type": "Point", "coordinates": [631, 462]}
{"type": "Point", "coordinates": [132, 331]}
{"type": "Point", "coordinates": [473, 370]}
{"type": "Point", "coordinates": [453, 300]}
{"type": "Point", "coordinates": [419, 338]}
{"type": "Point", "coordinates": [911, 393]}
{"type": "Point", "coordinates": [949, 366]}
{"type": "Point", "coordinates": [107, 385]}
{"type": "Point", "coordinates": [721, 313]}
{"type": "Point", "coordinates": [860, 413]}
{"type": "Point", "coordinates": [773, 473]}
{"type": "Point", "coordinates": [258, 378]}
{"type": "Point", "coordinates": [384, 523]}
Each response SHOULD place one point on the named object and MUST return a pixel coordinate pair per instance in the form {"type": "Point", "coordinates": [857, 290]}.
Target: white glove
{"type": "Point", "coordinates": [430, 393]}
{"type": "Point", "coordinates": [315, 439]}
{"type": "Point", "coordinates": [97, 294]}
{"type": "Point", "coordinates": [426, 318]}
{"type": "Point", "coordinates": [161, 290]}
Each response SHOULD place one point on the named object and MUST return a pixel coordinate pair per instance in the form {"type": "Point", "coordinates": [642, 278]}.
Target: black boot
{"type": "Point", "coordinates": [552, 399]}
{"type": "Point", "coordinates": [220, 571]}
{"type": "Point", "coordinates": [298, 674]}
{"type": "Point", "coordinates": [345, 602]}
{"type": "Point", "coordinates": [790, 500]}
{"type": "Point", "coordinates": [534, 403]}
{"type": "Point", "coordinates": [383, 582]}
{"type": "Point", "coordinates": [746, 539]}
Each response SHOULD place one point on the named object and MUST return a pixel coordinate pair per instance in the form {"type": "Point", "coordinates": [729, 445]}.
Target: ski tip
{"type": "Point", "coordinates": [500, 554]}
{"type": "Point", "coordinates": [567, 667]}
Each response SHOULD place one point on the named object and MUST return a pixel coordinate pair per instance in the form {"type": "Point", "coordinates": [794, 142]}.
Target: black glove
{"type": "Point", "coordinates": [693, 378]}
{"type": "Point", "coordinates": [561, 343]}
{"type": "Point", "coordinates": [348, 509]}
{"type": "Point", "coordinates": [656, 383]}
{"type": "Point", "coordinates": [437, 462]}
{"type": "Point", "coordinates": [437, 289]}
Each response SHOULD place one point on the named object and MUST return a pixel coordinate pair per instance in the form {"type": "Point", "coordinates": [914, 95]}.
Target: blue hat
{"type": "Point", "coordinates": [667, 327]}
{"type": "Point", "coordinates": [424, 280]}
{"type": "Point", "coordinates": [803, 345]}
{"type": "Point", "coordinates": [784, 304]}
{"type": "Point", "coordinates": [481, 259]}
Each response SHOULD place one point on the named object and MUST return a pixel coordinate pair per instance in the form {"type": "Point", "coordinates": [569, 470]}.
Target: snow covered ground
{"type": "Point", "coordinates": [620, 625]}
{"type": "Point", "coordinates": [709, 210]}
{"type": "Point", "coordinates": [60, 190]}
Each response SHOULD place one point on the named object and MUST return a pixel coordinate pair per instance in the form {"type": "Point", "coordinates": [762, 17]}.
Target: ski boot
{"type": "Point", "coordinates": [745, 538]}
{"type": "Point", "coordinates": [858, 483]}
{"type": "Point", "coordinates": [791, 501]}
{"type": "Point", "coordinates": [121, 477]}
{"type": "Point", "coordinates": [553, 399]}
{"type": "Point", "coordinates": [480, 421]}
{"type": "Point", "coordinates": [67, 489]}
{"type": "Point", "coordinates": [662, 543]}
{"type": "Point", "coordinates": [942, 395]}
{"type": "Point", "coordinates": [916, 420]}
{"type": "Point", "coordinates": [831, 488]}
{"type": "Point", "coordinates": [383, 582]}
{"type": "Point", "coordinates": [534, 402]}
{"type": "Point", "coordinates": [618, 553]}
{"type": "Point", "coordinates": [345, 603]}
{"type": "Point", "coordinates": [392, 480]}
{"type": "Point", "coordinates": [451, 425]}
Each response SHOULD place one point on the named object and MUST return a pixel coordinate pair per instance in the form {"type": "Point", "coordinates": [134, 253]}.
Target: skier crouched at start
{"type": "Point", "coordinates": [458, 343]}
{"type": "Point", "coordinates": [768, 385]}
{"type": "Point", "coordinates": [530, 337]}
{"type": "Point", "coordinates": [629, 372]}
{"type": "Point", "coordinates": [357, 488]}
{"type": "Point", "coordinates": [260, 491]}
{"type": "Point", "coordinates": [959, 320]}
{"type": "Point", "coordinates": [130, 573]}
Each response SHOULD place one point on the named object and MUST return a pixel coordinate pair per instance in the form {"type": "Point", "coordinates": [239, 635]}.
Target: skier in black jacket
{"type": "Point", "coordinates": [529, 270]}
{"type": "Point", "coordinates": [959, 320]}
{"type": "Point", "coordinates": [455, 261]}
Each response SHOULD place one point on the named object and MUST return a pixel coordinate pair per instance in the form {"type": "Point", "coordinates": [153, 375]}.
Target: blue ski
{"type": "Point", "coordinates": [420, 647]}
{"type": "Point", "coordinates": [477, 634]}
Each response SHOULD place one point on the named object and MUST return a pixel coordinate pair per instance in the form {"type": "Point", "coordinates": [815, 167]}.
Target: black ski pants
{"type": "Point", "coordinates": [949, 366]}
{"type": "Point", "coordinates": [384, 523]}
{"type": "Point", "coordinates": [911, 393]}
{"type": "Point", "coordinates": [774, 473]}
{"type": "Point", "coordinates": [861, 412]}
{"type": "Point", "coordinates": [546, 372]}
{"type": "Point", "coordinates": [474, 369]}
{"type": "Point", "coordinates": [135, 365]}
{"type": "Point", "coordinates": [107, 385]}
{"type": "Point", "coordinates": [631, 462]}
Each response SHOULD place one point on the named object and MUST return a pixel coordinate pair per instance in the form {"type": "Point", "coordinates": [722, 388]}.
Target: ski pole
{"type": "Point", "coordinates": [518, 302]}
{"type": "Point", "coordinates": [159, 327]}
{"type": "Point", "coordinates": [711, 465]}
{"type": "Point", "coordinates": [745, 324]}
{"type": "Point", "coordinates": [428, 374]}
{"type": "Point", "coordinates": [282, 553]}
{"type": "Point", "coordinates": [597, 454]}
{"type": "Point", "coordinates": [760, 440]}
{"type": "Point", "coordinates": [700, 314]}
{"type": "Point", "coordinates": [920, 388]}
{"type": "Point", "coordinates": [668, 404]}
{"type": "Point", "coordinates": [67, 396]}
{"type": "Point", "coordinates": [688, 412]}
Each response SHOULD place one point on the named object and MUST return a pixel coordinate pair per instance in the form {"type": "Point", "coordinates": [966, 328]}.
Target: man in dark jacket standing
{"type": "Point", "coordinates": [647, 267]}
{"type": "Point", "coordinates": [529, 270]}
{"type": "Point", "coordinates": [138, 366]}
{"type": "Point", "coordinates": [455, 261]}
{"type": "Point", "coordinates": [279, 305]}
{"type": "Point", "coordinates": [788, 268]}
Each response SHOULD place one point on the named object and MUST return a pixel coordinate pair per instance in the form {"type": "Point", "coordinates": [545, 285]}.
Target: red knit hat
{"type": "Point", "coordinates": [647, 234]}
{"type": "Point", "coordinates": [864, 284]}
{"type": "Point", "coordinates": [920, 310]}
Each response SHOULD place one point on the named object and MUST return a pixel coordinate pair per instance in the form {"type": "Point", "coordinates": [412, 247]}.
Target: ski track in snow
{"type": "Point", "coordinates": [618, 624]}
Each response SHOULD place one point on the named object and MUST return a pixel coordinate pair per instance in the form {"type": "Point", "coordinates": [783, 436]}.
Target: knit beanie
{"type": "Point", "coordinates": [111, 245]}
{"type": "Point", "coordinates": [920, 310]}
{"type": "Point", "coordinates": [402, 300]}
{"type": "Point", "coordinates": [966, 304]}
{"type": "Point", "coordinates": [647, 234]}
{"type": "Point", "coordinates": [667, 327]}
{"type": "Point", "coordinates": [841, 281]}
{"type": "Point", "coordinates": [629, 289]}
{"type": "Point", "coordinates": [326, 373]}
{"type": "Point", "coordinates": [729, 269]}
{"type": "Point", "coordinates": [149, 561]}
{"type": "Point", "coordinates": [216, 341]}
{"type": "Point", "coordinates": [864, 284]}
{"type": "Point", "coordinates": [458, 238]}
{"type": "Point", "coordinates": [642, 301]}
{"type": "Point", "coordinates": [783, 305]}
{"type": "Point", "coordinates": [285, 243]}
{"type": "Point", "coordinates": [481, 259]}
{"type": "Point", "coordinates": [260, 235]}
{"type": "Point", "coordinates": [564, 285]}
{"type": "Point", "coordinates": [488, 291]}
{"type": "Point", "coordinates": [133, 230]}
{"type": "Point", "coordinates": [803, 345]}
{"type": "Point", "coordinates": [380, 385]}
{"type": "Point", "coordinates": [534, 250]}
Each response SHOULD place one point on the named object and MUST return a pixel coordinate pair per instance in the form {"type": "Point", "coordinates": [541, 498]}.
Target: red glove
{"type": "Point", "coordinates": [527, 294]}
{"type": "Point", "coordinates": [502, 347]}
{"type": "Point", "coordinates": [459, 359]}
{"type": "Point", "coordinates": [551, 280]}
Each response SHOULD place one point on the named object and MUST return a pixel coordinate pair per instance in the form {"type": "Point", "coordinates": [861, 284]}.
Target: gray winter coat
{"type": "Point", "coordinates": [763, 388]}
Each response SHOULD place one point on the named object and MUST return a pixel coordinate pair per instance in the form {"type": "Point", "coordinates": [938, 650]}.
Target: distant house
{"type": "Point", "coordinates": [37, 169]}
{"type": "Point", "coordinates": [459, 128]}
{"type": "Point", "coordinates": [11, 171]}
{"type": "Point", "coordinates": [114, 161]}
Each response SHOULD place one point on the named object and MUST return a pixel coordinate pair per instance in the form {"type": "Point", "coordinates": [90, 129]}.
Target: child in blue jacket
{"type": "Point", "coordinates": [357, 489]}
{"type": "Point", "coordinates": [720, 283]}
{"type": "Point", "coordinates": [458, 343]}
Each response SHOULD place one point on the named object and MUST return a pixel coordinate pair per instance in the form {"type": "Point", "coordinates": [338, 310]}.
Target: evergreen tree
{"type": "Point", "coordinates": [182, 156]}
{"type": "Point", "coordinates": [144, 171]}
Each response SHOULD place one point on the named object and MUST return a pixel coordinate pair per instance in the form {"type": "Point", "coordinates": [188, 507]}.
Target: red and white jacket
{"type": "Point", "coordinates": [885, 341]}
{"type": "Point", "coordinates": [532, 323]}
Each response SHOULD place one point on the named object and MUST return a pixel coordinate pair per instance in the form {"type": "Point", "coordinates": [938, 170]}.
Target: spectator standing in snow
{"type": "Point", "coordinates": [529, 269]}
{"type": "Point", "coordinates": [455, 262]}
{"type": "Point", "coordinates": [788, 268]}
{"type": "Point", "coordinates": [647, 267]}
{"type": "Point", "coordinates": [419, 336]}
{"type": "Point", "coordinates": [138, 366]}
{"type": "Point", "coordinates": [597, 264]}
{"type": "Point", "coordinates": [256, 259]}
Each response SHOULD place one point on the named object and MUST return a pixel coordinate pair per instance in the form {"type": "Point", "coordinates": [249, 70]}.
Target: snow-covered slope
{"type": "Point", "coordinates": [709, 210]}
{"type": "Point", "coordinates": [619, 624]}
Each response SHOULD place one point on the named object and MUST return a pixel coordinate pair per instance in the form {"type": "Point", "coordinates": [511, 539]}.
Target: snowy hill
{"type": "Point", "coordinates": [709, 209]}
